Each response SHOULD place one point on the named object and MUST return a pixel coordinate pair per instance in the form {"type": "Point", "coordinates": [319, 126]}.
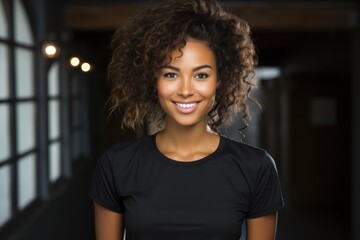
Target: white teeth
{"type": "Point", "coordinates": [186, 105]}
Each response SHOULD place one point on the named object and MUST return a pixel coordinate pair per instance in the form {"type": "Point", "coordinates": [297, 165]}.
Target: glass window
{"type": "Point", "coordinates": [78, 118]}
{"type": "Point", "coordinates": [3, 22]}
{"type": "Point", "coordinates": [53, 78]}
{"type": "Point", "coordinates": [26, 180]}
{"type": "Point", "coordinates": [24, 72]}
{"type": "Point", "coordinates": [5, 200]}
{"type": "Point", "coordinates": [5, 132]}
{"type": "Point", "coordinates": [17, 111]}
{"type": "Point", "coordinates": [54, 122]}
{"type": "Point", "coordinates": [55, 167]}
{"type": "Point", "coordinates": [22, 26]}
{"type": "Point", "coordinates": [25, 125]}
{"type": "Point", "coordinates": [54, 117]}
{"type": "Point", "coordinates": [4, 70]}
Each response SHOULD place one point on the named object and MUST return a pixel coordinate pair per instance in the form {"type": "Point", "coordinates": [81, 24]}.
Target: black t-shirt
{"type": "Point", "coordinates": [206, 199]}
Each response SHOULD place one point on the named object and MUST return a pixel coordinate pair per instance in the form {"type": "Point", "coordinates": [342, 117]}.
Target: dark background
{"type": "Point", "coordinates": [316, 47]}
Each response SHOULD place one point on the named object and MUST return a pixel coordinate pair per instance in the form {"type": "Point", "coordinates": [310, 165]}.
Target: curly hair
{"type": "Point", "coordinates": [142, 46]}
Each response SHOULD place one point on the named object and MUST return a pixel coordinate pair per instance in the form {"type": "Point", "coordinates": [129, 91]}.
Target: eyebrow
{"type": "Point", "coordinates": [194, 69]}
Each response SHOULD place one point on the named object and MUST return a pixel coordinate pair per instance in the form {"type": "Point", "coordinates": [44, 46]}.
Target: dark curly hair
{"type": "Point", "coordinates": [141, 47]}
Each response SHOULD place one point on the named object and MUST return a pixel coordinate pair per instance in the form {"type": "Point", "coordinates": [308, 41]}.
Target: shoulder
{"type": "Point", "coordinates": [256, 165]}
{"type": "Point", "coordinates": [123, 152]}
{"type": "Point", "coordinates": [250, 156]}
{"type": "Point", "coordinates": [243, 150]}
{"type": "Point", "coordinates": [127, 146]}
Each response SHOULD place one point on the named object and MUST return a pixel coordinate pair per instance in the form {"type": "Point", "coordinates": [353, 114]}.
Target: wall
{"type": "Point", "coordinates": [356, 131]}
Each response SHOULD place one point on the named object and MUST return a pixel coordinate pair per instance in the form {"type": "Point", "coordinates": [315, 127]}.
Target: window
{"type": "Point", "coordinates": [42, 119]}
{"type": "Point", "coordinates": [4, 55]}
{"type": "Point", "coordinates": [4, 31]}
{"type": "Point", "coordinates": [5, 190]}
{"type": "Point", "coordinates": [54, 122]}
{"type": "Point", "coordinates": [5, 203]}
{"type": "Point", "coordinates": [79, 117]}
{"type": "Point", "coordinates": [18, 109]}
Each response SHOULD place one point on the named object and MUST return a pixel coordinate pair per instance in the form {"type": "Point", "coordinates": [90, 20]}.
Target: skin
{"type": "Point", "coordinates": [109, 225]}
{"type": "Point", "coordinates": [262, 228]}
{"type": "Point", "coordinates": [190, 77]}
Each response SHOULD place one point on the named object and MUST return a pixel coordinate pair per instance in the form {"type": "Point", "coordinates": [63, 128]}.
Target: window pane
{"type": "Point", "coordinates": [54, 119]}
{"type": "Point", "coordinates": [54, 163]}
{"type": "Point", "coordinates": [25, 126]}
{"type": "Point", "coordinates": [4, 70]}
{"type": "Point", "coordinates": [26, 180]}
{"type": "Point", "coordinates": [22, 26]}
{"type": "Point", "coordinates": [53, 78]}
{"type": "Point", "coordinates": [3, 22]}
{"type": "Point", "coordinates": [24, 60]}
{"type": "Point", "coordinates": [4, 132]}
{"type": "Point", "coordinates": [5, 201]}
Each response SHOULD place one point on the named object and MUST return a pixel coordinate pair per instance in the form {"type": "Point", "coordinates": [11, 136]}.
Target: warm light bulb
{"type": "Point", "coordinates": [74, 61]}
{"type": "Point", "coordinates": [50, 50]}
{"type": "Point", "coordinates": [85, 67]}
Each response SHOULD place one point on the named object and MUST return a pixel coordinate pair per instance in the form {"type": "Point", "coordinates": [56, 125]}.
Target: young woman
{"type": "Point", "coordinates": [186, 63]}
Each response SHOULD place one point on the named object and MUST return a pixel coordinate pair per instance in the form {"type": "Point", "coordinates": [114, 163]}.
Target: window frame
{"type": "Point", "coordinates": [40, 98]}
{"type": "Point", "coordinates": [13, 101]}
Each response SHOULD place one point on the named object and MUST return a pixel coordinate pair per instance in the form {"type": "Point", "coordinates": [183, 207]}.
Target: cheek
{"type": "Point", "coordinates": [164, 88]}
{"type": "Point", "coordinates": [208, 90]}
{"type": "Point", "coordinates": [161, 90]}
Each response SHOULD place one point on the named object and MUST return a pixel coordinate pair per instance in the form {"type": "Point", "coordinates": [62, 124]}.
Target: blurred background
{"type": "Point", "coordinates": [54, 122]}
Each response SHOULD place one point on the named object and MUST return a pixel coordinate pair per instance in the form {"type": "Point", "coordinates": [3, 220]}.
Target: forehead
{"type": "Point", "coordinates": [194, 51]}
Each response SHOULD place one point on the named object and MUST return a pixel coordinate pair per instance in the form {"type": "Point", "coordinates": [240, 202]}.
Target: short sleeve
{"type": "Point", "coordinates": [267, 197]}
{"type": "Point", "coordinates": [103, 187]}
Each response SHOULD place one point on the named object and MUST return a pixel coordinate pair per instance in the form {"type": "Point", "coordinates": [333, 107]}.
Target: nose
{"type": "Point", "coordinates": [185, 88]}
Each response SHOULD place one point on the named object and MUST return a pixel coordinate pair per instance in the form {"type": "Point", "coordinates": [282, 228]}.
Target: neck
{"type": "Point", "coordinates": [185, 138]}
{"type": "Point", "coordinates": [185, 135]}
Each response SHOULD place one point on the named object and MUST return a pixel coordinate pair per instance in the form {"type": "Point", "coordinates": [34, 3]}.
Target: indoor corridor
{"type": "Point", "coordinates": [55, 124]}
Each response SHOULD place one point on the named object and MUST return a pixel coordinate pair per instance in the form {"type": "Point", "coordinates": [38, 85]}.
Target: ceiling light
{"type": "Point", "coordinates": [85, 67]}
{"type": "Point", "coordinates": [50, 50]}
{"type": "Point", "coordinates": [74, 61]}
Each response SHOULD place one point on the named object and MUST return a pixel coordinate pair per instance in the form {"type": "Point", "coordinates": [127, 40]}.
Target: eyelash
{"type": "Point", "coordinates": [204, 75]}
{"type": "Point", "coordinates": [170, 75]}
{"type": "Point", "coordinates": [199, 75]}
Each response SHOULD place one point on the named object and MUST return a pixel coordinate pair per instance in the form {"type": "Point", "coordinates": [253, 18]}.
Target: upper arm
{"type": "Point", "coordinates": [261, 228]}
{"type": "Point", "coordinates": [109, 225]}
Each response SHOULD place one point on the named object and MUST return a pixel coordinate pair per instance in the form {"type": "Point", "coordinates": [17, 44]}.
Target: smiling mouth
{"type": "Point", "coordinates": [186, 107]}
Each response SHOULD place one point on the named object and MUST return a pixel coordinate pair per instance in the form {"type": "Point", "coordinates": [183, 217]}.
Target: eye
{"type": "Point", "coordinates": [170, 75]}
{"type": "Point", "coordinates": [202, 75]}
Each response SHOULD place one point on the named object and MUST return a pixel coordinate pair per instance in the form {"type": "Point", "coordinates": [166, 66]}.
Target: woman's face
{"type": "Point", "coordinates": [186, 86]}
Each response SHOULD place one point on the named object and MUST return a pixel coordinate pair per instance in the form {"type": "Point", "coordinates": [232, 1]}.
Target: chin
{"type": "Point", "coordinates": [188, 122]}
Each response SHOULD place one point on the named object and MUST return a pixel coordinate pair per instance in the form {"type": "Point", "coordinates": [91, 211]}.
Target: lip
{"type": "Point", "coordinates": [186, 107]}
